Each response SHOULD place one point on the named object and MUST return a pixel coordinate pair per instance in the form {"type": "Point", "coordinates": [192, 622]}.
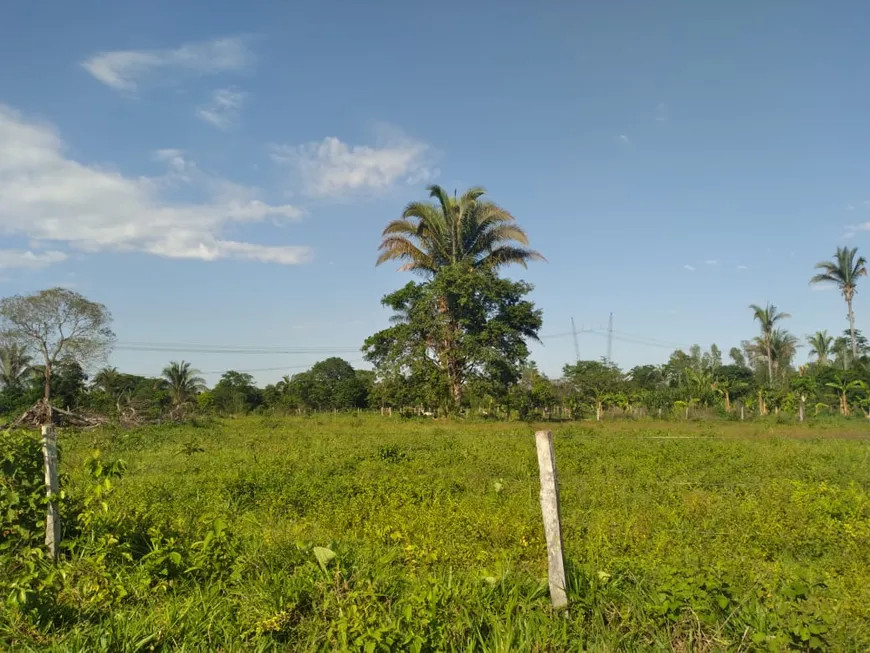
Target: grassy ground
{"type": "Point", "coordinates": [707, 536]}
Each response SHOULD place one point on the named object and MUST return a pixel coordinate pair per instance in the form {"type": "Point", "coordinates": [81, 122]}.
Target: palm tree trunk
{"type": "Point", "coordinates": [852, 329]}
{"type": "Point", "coordinates": [769, 362]}
{"type": "Point", "coordinates": [727, 402]}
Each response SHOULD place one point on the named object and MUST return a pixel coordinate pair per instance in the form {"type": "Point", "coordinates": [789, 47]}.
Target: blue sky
{"type": "Point", "coordinates": [219, 173]}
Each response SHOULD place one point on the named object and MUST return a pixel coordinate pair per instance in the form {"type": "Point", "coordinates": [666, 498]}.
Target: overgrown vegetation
{"type": "Point", "coordinates": [336, 533]}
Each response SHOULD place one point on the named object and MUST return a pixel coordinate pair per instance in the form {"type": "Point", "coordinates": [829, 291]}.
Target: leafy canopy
{"type": "Point", "coordinates": [463, 325]}
{"type": "Point", "coordinates": [843, 271]}
{"type": "Point", "coordinates": [57, 323]}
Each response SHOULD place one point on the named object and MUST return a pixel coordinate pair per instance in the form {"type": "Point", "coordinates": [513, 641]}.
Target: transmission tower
{"type": "Point", "coordinates": [610, 339]}
{"type": "Point", "coordinates": [576, 346]}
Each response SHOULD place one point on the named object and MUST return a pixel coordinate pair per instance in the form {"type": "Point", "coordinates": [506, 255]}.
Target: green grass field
{"type": "Point", "coordinates": [686, 537]}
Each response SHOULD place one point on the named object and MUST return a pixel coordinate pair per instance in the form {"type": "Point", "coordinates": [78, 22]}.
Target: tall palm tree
{"type": "Point", "coordinates": [767, 318]}
{"type": "Point", "coordinates": [843, 272]}
{"type": "Point", "coordinates": [15, 365]}
{"type": "Point", "coordinates": [183, 382]}
{"type": "Point", "coordinates": [821, 346]}
{"type": "Point", "coordinates": [463, 229]}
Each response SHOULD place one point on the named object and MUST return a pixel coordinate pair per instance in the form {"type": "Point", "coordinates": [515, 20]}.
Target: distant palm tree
{"type": "Point", "coordinates": [783, 347]}
{"type": "Point", "coordinates": [843, 272]}
{"type": "Point", "coordinates": [466, 229]}
{"type": "Point", "coordinates": [767, 318]}
{"type": "Point", "coordinates": [183, 382]}
{"type": "Point", "coordinates": [107, 379]}
{"type": "Point", "coordinates": [15, 365]}
{"type": "Point", "coordinates": [821, 346]}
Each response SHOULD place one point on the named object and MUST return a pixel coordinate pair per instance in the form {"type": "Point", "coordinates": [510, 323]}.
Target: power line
{"type": "Point", "coordinates": [640, 340]}
{"type": "Point", "coordinates": [230, 349]}
{"type": "Point", "coordinates": [273, 369]}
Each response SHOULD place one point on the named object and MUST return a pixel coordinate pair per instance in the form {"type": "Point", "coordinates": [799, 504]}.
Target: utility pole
{"type": "Point", "coordinates": [610, 339]}
{"type": "Point", "coordinates": [576, 346]}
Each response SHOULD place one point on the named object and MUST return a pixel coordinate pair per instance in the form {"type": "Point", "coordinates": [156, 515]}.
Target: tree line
{"type": "Point", "coordinates": [457, 343]}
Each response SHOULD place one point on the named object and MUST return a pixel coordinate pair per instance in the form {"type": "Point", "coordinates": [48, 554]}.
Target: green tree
{"type": "Point", "coordinates": [58, 324]}
{"type": "Point", "coordinates": [462, 325]}
{"type": "Point", "coordinates": [843, 387]}
{"type": "Point", "coordinates": [182, 382]}
{"type": "Point", "coordinates": [15, 365]}
{"type": "Point", "coordinates": [330, 384]}
{"type": "Point", "coordinates": [768, 317]}
{"type": "Point", "coordinates": [594, 382]}
{"type": "Point", "coordinates": [803, 385]}
{"type": "Point", "coordinates": [647, 377]}
{"type": "Point", "coordinates": [821, 346]}
{"type": "Point", "coordinates": [842, 349]}
{"type": "Point", "coordinates": [737, 356]}
{"type": "Point", "coordinates": [844, 272]}
{"type": "Point", "coordinates": [236, 392]}
{"type": "Point", "coordinates": [68, 383]}
{"type": "Point", "coordinates": [465, 230]}
{"type": "Point", "coordinates": [533, 391]}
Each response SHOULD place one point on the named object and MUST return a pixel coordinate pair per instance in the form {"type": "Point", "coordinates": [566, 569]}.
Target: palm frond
{"type": "Point", "coordinates": [506, 255]}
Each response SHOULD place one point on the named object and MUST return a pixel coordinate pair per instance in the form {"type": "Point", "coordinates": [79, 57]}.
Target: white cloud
{"type": "Point", "coordinates": [742, 267]}
{"type": "Point", "coordinates": [16, 258]}
{"type": "Point", "coordinates": [711, 261]}
{"type": "Point", "coordinates": [690, 268]}
{"type": "Point", "coordinates": [867, 204]}
{"type": "Point", "coordinates": [623, 138]}
{"type": "Point", "coordinates": [850, 207]}
{"type": "Point", "coordinates": [331, 167]}
{"type": "Point", "coordinates": [48, 197]}
{"type": "Point", "coordinates": [224, 108]}
{"type": "Point", "coordinates": [124, 70]}
{"type": "Point", "coordinates": [661, 112]}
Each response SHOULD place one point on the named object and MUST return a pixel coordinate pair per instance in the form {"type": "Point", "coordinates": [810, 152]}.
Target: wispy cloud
{"type": "Point", "coordinates": [711, 261]}
{"type": "Point", "coordinates": [17, 258]}
{"type": "Point", "coordinates": [690, 268]}
{"type": "Point", "coordinates": [850, 207]}
{"type": "Point", "coordinates": [48, 197]}
{"type": "Point", "coordinates": [124, 70]}
{"type": "Point", "coordinates": [223, 109]}
{"type": "Point", "coordinates": [332, 168]}
{"type": "Point", "coordinates": [623, 138]}
{"type": "Point", "coordinates": [661, 112]}
{"type": "Point", "coordinates": [866, 204]}
{"type": "Point", "coordinates": [742, 267]}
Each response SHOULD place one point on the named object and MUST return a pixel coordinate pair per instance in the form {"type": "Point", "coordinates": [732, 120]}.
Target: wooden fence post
{"type": "Point", "coordinates": [52, 518]}
{"type": "Point", "coordinates": [552, 518]}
